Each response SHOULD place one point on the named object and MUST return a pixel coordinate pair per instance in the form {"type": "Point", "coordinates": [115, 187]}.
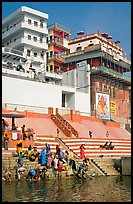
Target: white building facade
{"type": "Point", "coordinates": [24, 35]}
{"type": "Point", "coordinates": [26, 30]}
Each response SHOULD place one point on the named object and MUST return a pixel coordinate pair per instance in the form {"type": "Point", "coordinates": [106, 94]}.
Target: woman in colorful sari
{"type": "Point", "coordinates": [19, 146]}
{"type": "Point", "coordinates": [43, 157]}
{"type": "Point", "coordinates": [82, 153]}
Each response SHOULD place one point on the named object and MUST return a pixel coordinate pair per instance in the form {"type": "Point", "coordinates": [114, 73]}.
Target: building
{"type": "Point", "coordinates": [107, 68]}
{"type": "Point", "coordinates": [26, 82]}
{"type": "Point", "coordinates": [58, 38]}
{"type": "Point", "coordinates": [26, 30]}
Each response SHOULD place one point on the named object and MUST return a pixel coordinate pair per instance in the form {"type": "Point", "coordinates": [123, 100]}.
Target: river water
{"type": "Point", "coordinates": [100, 189]}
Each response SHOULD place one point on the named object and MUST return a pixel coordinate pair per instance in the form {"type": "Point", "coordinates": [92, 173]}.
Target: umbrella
{"type": "Point", "coordinates": [13, 114]}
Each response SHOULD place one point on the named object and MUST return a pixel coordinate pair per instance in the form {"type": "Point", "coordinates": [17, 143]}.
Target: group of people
{"type": "Point", "coordinates": [107, 145]}
{"type": "Point", "coordinates": [45, 158]}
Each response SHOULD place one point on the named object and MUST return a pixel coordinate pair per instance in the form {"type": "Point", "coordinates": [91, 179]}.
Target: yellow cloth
{"type": "Point", "coordinates": [19, 149]}
{"type": "Point", "coordinates": [19, 141]}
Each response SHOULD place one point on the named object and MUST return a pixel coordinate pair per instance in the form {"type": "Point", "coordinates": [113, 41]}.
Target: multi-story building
{"type": "Point", "coordinates": [107, 68]}
{"type": "Point", "coordinates": [26, 30]}
{"type": "Point", "coordinates": [24, 40]}
{"type": "Point", "coordinates": [58, 38]}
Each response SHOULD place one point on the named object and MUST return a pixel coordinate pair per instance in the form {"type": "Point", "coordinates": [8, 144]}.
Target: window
{"type": "Point", "coordinates": [47, 55]}
{"type": "Point", "coordinates": [51, 53]}
{"type": "Point", "coordinates": [35, 23]}
{"type": "Point", "coordinates": [51, 68]}
{"type": "Point", "coordinates": [40, 40]}
{"type": "Point", "coordinates": [63, 100]}
{"type": "Point", "coordinates": [41, 25]}
{"type": "Point", "coordinates": [51, 38]}
{"type": "Point", "coordinates": [29, 37]}
{"type": "Point", "coordinates": [35, 54]}
{"type": "Point", "coordinates": [79, 49]}
{"type": "Point", "coordinates": [29, 21]}
{"type": "Point", "coordinates": [47, 40]}
{"type": "Point", "coordinates": [47, 68]}
{"type": "Point", "coordinates": [35, 39]}
{"type": "Point", "coordinates": [28, 53]}
{"type": "Point", "coordinates": [112, 92]}
{"type": "Point", "coordinates": [42, 54]}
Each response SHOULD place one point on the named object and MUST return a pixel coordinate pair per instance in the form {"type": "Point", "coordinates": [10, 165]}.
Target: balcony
{"type": "Point", "coordinates": [59, 27]}
{"type": "Point", "coordinates": [24, 40]}
{"type": "Point", "coordinates": [23, 25]}
{"type": "Point", "coordinates": [55, 76]}
{"type": "Point", "coordinates": [57, 57]}
{"type": "Point", "coordinates": [112, 73]}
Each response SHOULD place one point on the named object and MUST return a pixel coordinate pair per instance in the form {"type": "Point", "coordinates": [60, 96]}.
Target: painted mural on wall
{"type": "Point", "coordinates": [103, 106]}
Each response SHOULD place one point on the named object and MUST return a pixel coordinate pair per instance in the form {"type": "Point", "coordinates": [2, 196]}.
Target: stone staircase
{"type": "Point", "coordinates": [106, 165]}
{"type": "Point", "coordinates": [122, 148]}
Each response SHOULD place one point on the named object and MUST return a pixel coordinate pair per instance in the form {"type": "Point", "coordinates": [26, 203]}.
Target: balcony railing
{"type": "Point", "coordinates": [110, 71]}
{"type": "Point", "coordinates": [57, 56]}
{"type": "Point", "coordinates": [10, 50]}
{"type": "Point", "coordinates": [28, 108]}
{"type": "Point", "coordinates": [56, 25]}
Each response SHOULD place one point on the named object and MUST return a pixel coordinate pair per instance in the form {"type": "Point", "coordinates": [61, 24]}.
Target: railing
{"type": "Point", "coordinates": [60, 125]}
{"type": "Point", "coordinates": [10, 50]}
{"type": "Point", "coordinates": [20, 107]}
{"type": "Point", "coordinates": [74, 54]}
{"type": "Point", "coordinates": [64, 111]}
{"type": "Point", "coordinates": [85, 114]}
{"type": "Point", "coordinates": [62, 120]}
{"type": "Point", "coordinates": [57, 56]}
{"type": "Point", "coordinates": [56, 41]}
{"type": "Point", "coordinates": [56, 25]}
{"type": "Point", "coordinates": [113, 72]}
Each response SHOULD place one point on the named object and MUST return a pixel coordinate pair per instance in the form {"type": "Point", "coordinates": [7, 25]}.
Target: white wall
{"type": "Point", "coordinates": [26, 92]}
{"type": "Point", "coordinates": [82, 102]}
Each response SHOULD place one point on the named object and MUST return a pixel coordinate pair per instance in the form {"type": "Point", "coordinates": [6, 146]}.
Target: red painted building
{"type": "Point", "coordinates": [58, 38]}
{"type": "Point", "coordinates": [107, 66]}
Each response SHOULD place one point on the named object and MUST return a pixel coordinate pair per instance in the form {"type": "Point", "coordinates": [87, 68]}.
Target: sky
{"type": "Point", "coordinates": [113, 18]}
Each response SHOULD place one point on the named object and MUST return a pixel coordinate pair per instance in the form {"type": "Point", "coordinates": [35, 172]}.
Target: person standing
{"type": "Point", "coordinates": [90, 134]}
{"type": "Point", "coordinates": [23, 132]}
{"type": "Point", "coordinates": [58, 150]}
{"type": "Point", "coordinates": [47, 148]}
{"type": "Point", "coordinates": [56, 160]}
{"type": "Point", "coordinates": [60, 166]}
{"type": "Point", "coordinates": [43, 157]}
{"type": "Point", "coordinates": [58, 132]}
{"type": "Point", "coordinates": [34, 136]}
{"type": "Point", "coordinates": [19, 146]}
{"type": "Point", "coordinates": [107, 134]}
{"type": "Point", "coordinates": [6, 140]}
{"type": "Point", "coordinates": [82, 153]}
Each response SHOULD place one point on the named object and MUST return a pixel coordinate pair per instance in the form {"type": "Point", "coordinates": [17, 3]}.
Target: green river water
{"type": "Point", "coordinates": [100, 189]}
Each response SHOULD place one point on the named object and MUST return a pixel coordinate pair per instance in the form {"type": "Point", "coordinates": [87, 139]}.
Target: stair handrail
{"type": "Point", "coordinates": [60, 125]}
{"type": "Point", "coordinates": [75, 156]}
{"type": "Point", "coordinates": [67, 124]}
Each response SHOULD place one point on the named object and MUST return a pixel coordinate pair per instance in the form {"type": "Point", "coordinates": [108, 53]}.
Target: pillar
{"type": "Point", "coordinates": [50, 110]}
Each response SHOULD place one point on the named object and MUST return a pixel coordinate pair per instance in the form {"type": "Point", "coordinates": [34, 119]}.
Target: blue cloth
{"type": "Point", "coordinates": [20, 160]}
{"type": "Point", "coordinates": [62, 154]}
{"type": "Point", "coordinates": [32, 172]}
{"type": "Point", "coordinates": [48, 148]}
{"type": "Point", "coordinates": [43, 157]}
